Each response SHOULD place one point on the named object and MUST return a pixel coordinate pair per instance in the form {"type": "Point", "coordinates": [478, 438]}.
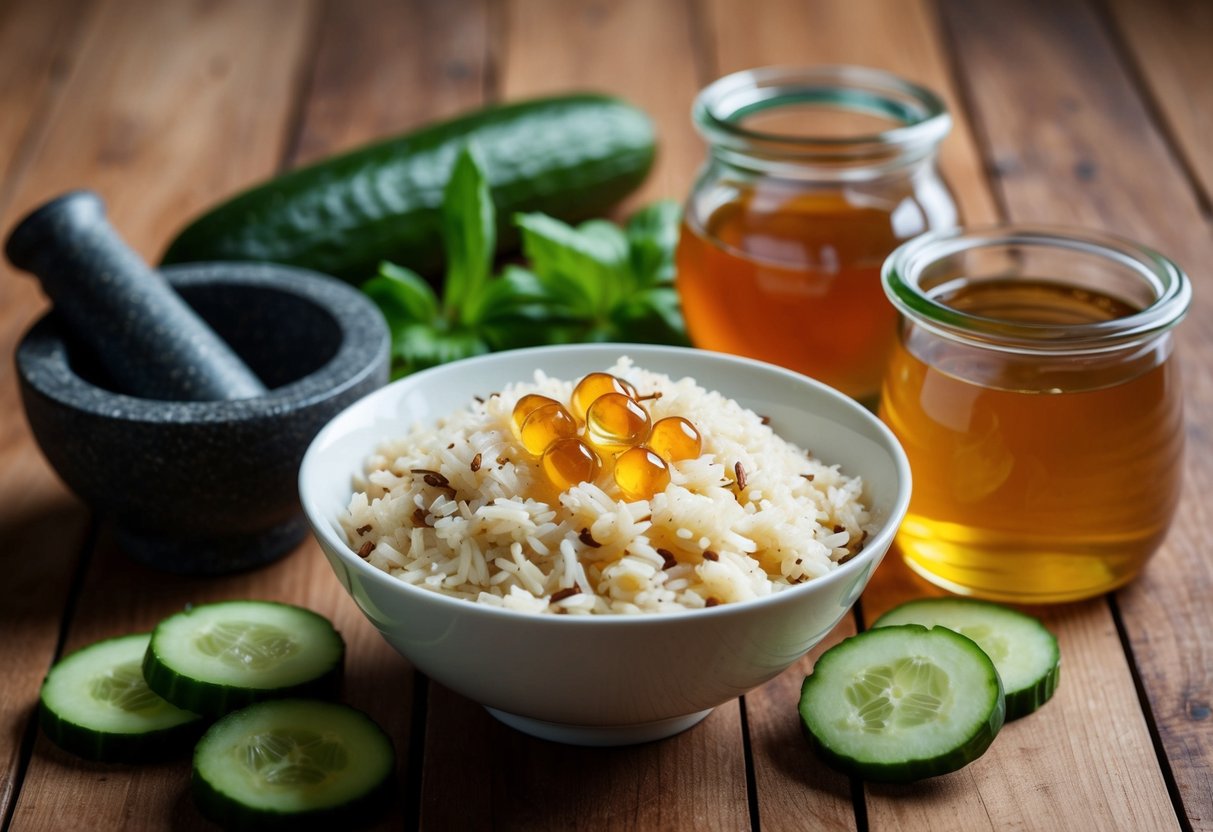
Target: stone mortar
{"type": "Point", "coordinates": [207, 487]}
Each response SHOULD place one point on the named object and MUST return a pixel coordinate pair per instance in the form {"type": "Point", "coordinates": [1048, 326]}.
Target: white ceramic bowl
{"type": "Point", "coordinates": [605, 680]}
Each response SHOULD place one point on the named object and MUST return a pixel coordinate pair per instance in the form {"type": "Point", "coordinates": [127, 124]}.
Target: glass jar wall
{"type": "Point", "coordinates": [1035, 391]}
{"type": "Point", "coordinates": [813, 177]}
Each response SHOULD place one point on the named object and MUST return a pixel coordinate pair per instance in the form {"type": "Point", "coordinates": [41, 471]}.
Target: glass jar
{"type": "Point", "coordinates": [813, 177]}
{"type": "Point", "coordinates": [1034, 390]}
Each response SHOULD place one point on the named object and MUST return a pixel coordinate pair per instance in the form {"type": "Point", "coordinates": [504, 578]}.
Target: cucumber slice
{"type": "Point", "coordinates": [902, 703]}
{"type": "Point", "coordinates": [215, 658]}
{"type": "Point", "coordinates": [292, 764]}
{"type": "Point", "coordinates": [95, 703]}
{"type": "Point", "coordinates": [1024, 652]}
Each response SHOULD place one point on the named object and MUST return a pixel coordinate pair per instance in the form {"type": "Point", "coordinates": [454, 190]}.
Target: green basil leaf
{"type": "Point", "coordinates": [586, 270]}
{"type": "Point", "coordinates": [402, 296]}
{"type": "Point", "coordinates": [653, 316]}
{"type": "Point", "coordinates": [514, 288]}
{"type": "Point", "coordinates": [419, 346]}
{"type": "Point", "coordinates": [652, 235]}
{"type": "Point", "coordinates": [468, 234]}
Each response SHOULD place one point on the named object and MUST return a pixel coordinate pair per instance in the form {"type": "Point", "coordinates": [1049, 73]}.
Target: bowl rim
{"type": "Point", "coordinates": [874, 549]}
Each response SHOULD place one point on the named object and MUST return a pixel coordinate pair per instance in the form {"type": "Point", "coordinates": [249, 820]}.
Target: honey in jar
{"type": "Point", "coordinates": [814, 176]}
{"type": "Point", "coordinates": [1035, 393]}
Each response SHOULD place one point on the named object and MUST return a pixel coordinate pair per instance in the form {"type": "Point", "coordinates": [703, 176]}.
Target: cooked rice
{"type": "Point", "coordinates": [496, 532]}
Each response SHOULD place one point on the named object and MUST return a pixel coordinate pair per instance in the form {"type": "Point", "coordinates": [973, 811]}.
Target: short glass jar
{"type": "Point", "coordinates": [813, 177]}
{"type": "Point", "coordinates": [1035, 392]}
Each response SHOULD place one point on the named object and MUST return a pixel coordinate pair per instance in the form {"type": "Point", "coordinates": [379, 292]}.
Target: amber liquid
{"type": "Point", "coordinates": [794, 279]}
{"type": "Point", "coordinates": [1034, 483]}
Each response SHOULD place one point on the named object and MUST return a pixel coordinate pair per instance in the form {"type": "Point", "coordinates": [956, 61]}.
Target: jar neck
{"type": "Point", "coordinates": [820, 124]}
{"type": "Point", "coordinates": [1043, 292]}
{"type": "Point", "coordinates": [895, 168]}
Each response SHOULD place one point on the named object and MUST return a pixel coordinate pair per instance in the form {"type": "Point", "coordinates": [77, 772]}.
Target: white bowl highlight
{"type": "Point", "coordinates": [605, 680]}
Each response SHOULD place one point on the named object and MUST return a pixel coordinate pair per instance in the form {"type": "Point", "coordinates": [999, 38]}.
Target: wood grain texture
{"type": "Point", "coordinates": [794, 789]}
{"type": "Point", "coordinates": [697, 779]}
{"type": "Point", "coordinates": [637, 49]}
{"type": "Point", "coordinates": [122, 597]}
{"type": "Point", "coordinates": [36, 41]}
{"type": "Point", "coordinates": [386, 66]}
{"type": "Point", "coordinates": [1051, 131]}
{"type": "Point", "coordinates": [183, 96]}
{"type": "Point", "coordinates": [1169, 41]}
{"type": "Point", "coordinates": [900, 37]}
{"type": "Point", "coordinates": [509, 781]}
{"type": "Point", "coordinates": [43, 527]}
{"type": "Point", "coordinates": [166, 107]}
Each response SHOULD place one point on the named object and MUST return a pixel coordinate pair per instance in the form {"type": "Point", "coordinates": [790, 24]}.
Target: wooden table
{"type": "Point", "coordinates": [1094, 113]}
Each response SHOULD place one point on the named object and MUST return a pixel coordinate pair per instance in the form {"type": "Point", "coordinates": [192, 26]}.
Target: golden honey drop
{"type": "Point", "coordinates": [640, 473]}
{"type": "Point", "coordinates": [675, 438]}
{"type": "Point", "coordinates": [527, 405]}
{"type": "Point", "coordinates": [544, 425]}
{"type": "Point", "coordinates": [568, 461]}
{"type": "Point", "coordinates": [592, 387]}
{"type": "Point", "coordinates": [614, 422]}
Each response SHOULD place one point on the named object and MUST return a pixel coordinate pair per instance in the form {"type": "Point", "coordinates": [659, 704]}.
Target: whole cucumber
{"type": "Point", "coordinates": [570, 156]}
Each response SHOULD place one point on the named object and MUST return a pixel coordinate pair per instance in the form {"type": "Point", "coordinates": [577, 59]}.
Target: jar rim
{"type": "Point", "coordinates": [903, 270]}
{"type": "Point", "coordinates": [720, 108]}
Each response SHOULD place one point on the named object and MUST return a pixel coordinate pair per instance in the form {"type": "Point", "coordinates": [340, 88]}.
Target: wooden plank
{"type": "Point", "coordinates": [43, 527]}
{"type": "Point", "coordinates": [479, 774]}
{"type": "Point", "coordinates": [904, 38]}
{"type": "Point", "coordinates": [166, 106]}
{"type": "Point", "coordinates": [383, 67]}
{"type": "Point", "coordinates": [387, 66]}
{"type": "Point", "coordinates": [1049, 100]}
{"type": "Point", "coordinates": [698, 778]}
{"type": "Point", "coordinates": [35, 55]}
{"type": "Point", "coordinates": [794, 789]}
{"type": "Point", "coordinates": [640, 50]}
{"type": "Point", "coordinates": [1169, 41]}
{"type": "Point", "coordinates": [899, 37]}
{"type": "Point", "coordinates": [121, 597]}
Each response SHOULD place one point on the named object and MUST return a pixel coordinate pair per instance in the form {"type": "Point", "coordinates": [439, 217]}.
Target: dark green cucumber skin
{"type": "Point", "coordinates": [572, 157]}
{"type": "Point", "coordinates": [908, 771]}
{"type": "Point", "coordinates": [1019, 703]}
{"type": "Point", "coordinates": [150, 746]}
{"type": "Point", "coordinates": [214, 700]}
{"type": "Point", "coordinates": [231, 814]}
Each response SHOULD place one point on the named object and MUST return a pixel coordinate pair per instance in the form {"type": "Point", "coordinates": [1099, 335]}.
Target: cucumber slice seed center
{"type": "Point", "coordinates": [246, 645]}
{"type": "Point", "coordinates": [906, 693]}
{"type": "Point", "coordinates": [291, 757]}
{"type": "Point", "coordinates": [123, 687]}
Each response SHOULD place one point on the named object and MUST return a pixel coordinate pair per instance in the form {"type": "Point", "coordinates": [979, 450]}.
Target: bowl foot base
{"type": "Point", "coordinates": [600, 735]}
{"type": "Point", "coordinates": [212, 555]}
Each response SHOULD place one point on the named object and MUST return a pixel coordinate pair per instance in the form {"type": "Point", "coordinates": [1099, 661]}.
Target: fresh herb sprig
{"type": "Point", "coordinates": [593, 282]}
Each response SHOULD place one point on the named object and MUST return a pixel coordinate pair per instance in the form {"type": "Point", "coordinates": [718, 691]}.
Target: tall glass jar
{"type": "Point", "coordinates": [813, 177]}
{"type": "Point", "coordinates": [1035, 392]}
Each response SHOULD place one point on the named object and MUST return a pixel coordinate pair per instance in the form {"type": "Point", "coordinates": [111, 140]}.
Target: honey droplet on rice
{"type": "Point", "coordinates": [545, 425]}
{"type": "Point", "coordinates": [527, 405]}
{"type": "Point", "coordinates": [594, 386]}
{"type": "Point", "coordinates": [640, 473]}
{"type": "Point", "coordinates": [675, 438]}
{"type": "Point", "coordinates": [569, 461]}
{"type": "Point", "coordinates": [615, 422]}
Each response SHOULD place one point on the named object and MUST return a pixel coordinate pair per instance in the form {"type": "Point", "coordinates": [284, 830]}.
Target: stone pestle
{"type": "Point", "coordinates": [149, 340]}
